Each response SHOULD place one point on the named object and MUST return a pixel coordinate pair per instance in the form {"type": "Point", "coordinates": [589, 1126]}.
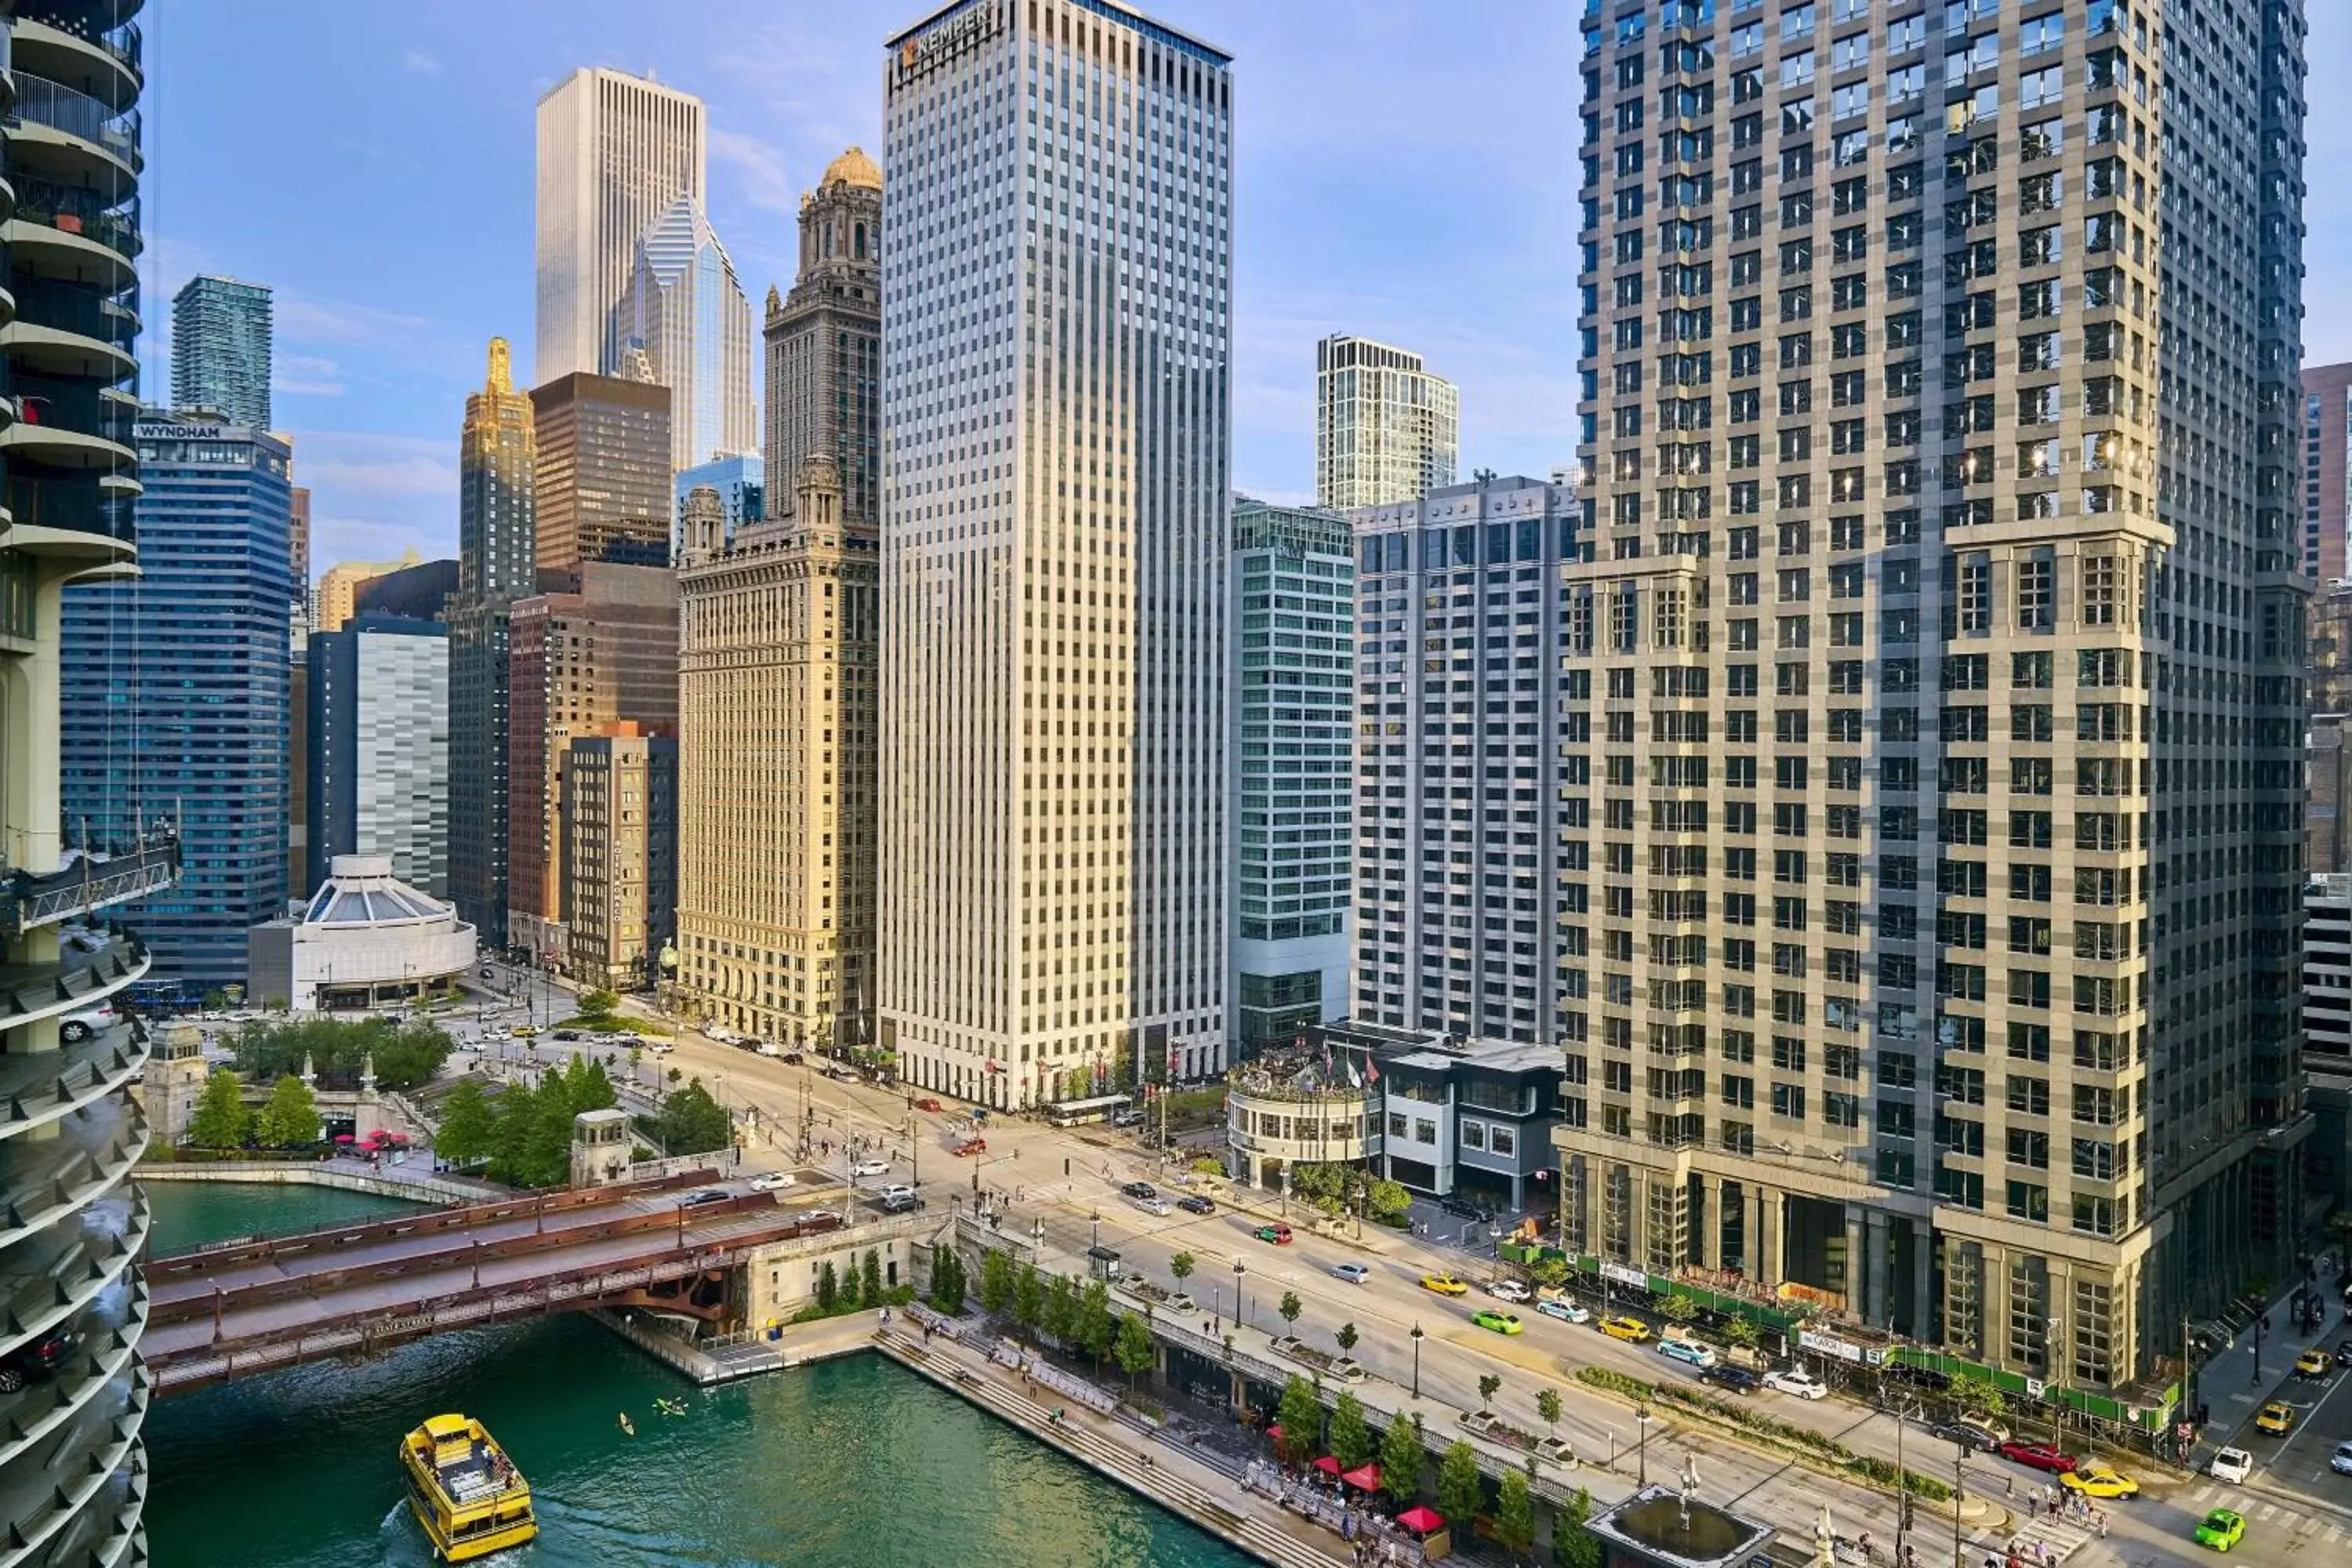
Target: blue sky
{"type": "Point", "coordinates": [1404, 169]}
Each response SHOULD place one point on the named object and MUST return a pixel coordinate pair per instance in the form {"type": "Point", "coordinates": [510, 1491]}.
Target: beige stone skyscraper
{"type": "Point", "coordinates": [776, 694]}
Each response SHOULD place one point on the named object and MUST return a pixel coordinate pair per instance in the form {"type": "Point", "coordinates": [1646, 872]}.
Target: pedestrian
{"type": "Point", "coordinates": [2008, 1486]}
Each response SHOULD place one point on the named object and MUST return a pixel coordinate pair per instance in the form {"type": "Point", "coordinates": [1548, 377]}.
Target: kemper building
{"type": "Point", "coordinates": [1935, 674]}
{"type": "Point", "coordinates": [1056, 422]}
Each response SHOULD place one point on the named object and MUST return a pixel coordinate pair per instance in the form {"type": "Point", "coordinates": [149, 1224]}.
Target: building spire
{"type": "Point", "coordinates": [501, 372]}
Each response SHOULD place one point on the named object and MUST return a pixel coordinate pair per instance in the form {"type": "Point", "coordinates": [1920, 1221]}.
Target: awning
{"type": "Point", "coordinates": [1327, 1464]}
{"type": "Point", "coordinates": [1366, 1476]}
{"type": "Point", "coordinates": [1421, 1521]}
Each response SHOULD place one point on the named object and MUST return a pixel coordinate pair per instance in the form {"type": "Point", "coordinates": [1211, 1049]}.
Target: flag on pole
{"type": "Point", "coordinates": [1372, 1067]}
{"type": "Point", "coordinates": [1355, 1079]}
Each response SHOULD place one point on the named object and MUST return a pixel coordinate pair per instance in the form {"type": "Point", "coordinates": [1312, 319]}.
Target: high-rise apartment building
{"type": "Point", "coordinates": [1459, 863]}
{"type": "Point", "coordinates": [1936, 679]}
{"type": "Point", "coordinates": [614, 151]}
{"type": "Point", "coordinates": [498, 530]}
{"type": "Point", "coordinates": [340, 586]}
{"type": "Point", "coordinates": [739, 480]}
{"type": "Point", "coordinates": [176, 689]}
{"type": "Point", "coordinates": [824, 342]}
{"type": "Point", "coordinates": [1057, 401]}
{"type": "Point", "coordinates": [75, 1467]}
{"type": "Point", "coordinates": [602, 651]}
{"type": "Point", "coordinates": [1385, 429]}
{"type": "Point", "coordinates": [684, 307]}
{"type": "Point", "coordinates": [220, 349]}
{"type": "Point", "coordinates": [298, 548]}
{"type": "Point", "coordinates": [2326, 466]}
{"type": "Point", "coordinates": [620, 851]}
{"type": "Point", "coordinates": [377, 779]}
{"type": "Point", "coordinates": [604, 486]}
{"type": "Point", "coordinates": [1289, 743]}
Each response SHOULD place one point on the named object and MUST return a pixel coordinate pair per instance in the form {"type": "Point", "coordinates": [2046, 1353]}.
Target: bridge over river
{"type": "Point", "coordinates": [239, 1307]}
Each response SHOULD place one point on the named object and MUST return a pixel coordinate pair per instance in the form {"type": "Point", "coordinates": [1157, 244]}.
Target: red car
{"type": "Point", "coordinates": [927, 1105]}
{"type": "Point", "coordinates": [2040, 1456]}
{"type": "Point", "coordinates": [972, 1146]}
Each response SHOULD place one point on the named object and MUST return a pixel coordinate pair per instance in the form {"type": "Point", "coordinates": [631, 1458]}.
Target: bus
{"type": "Point", "coordinates": [1079, 1113]}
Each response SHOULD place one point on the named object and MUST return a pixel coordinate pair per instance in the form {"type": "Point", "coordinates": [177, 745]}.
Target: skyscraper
{"type": "Point", "coordinates": [1290, 742]}
{"type": "Point", "coordinates": [824, 342]}
{"type": "Point", "coordinates": [1941, 671]}
{"type": "Point", "coordinates": [740, 481]}
{"type": "Point", "coordinates": [1056, 407]}
{"type": "Point", "coordinates": [176, 689]}
{"type": "Point", "coordinates": [2326, 469]}
{"type": "Point", "coordinates": [1459, 866]}
{"type": "Point", "coordinates": [1385, 429]}
{"type": "Point", "coordinates": [220, 348]}
{"type": "Point", "coordinates": [685, 308]}
{"type": "Point", "coordinates": [378, 736]}
{"type": "Point", "coordinates": [603, 464]}
{"type": "Point", "coordinates": [497, 536]}
{"type": "Point", "coordinates": [340, 586]}
{"type": "Point", "coordinates": [614, 151]}
{"type": "Point", "coordinates": [77, 1470]}
{"type": "Point", "coordinates": [620, 851]}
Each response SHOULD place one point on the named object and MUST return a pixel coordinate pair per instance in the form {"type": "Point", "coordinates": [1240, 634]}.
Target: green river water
{"type": "Point", "coordinates": [852, 1464]}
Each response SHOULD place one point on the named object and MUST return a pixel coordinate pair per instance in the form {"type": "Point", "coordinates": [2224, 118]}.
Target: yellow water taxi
{"type": "Point", "coordinates": [464, 1489]}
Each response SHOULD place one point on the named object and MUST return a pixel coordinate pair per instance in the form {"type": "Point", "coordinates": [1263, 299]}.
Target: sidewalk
{"type": "Point", "coordinates": [2233, 1385]}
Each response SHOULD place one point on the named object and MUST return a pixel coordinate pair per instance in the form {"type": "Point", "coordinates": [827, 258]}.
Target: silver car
{"type": "Point", "coordinates": [1353, 1273]}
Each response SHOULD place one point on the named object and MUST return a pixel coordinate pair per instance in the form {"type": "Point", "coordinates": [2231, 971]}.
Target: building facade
{"type": "Point", "coordinates": [777, 848]}
{"type": "Point", "coordinates": [80, 1482]}
{"type": "Point", "coordinates": [620, 850]}
{"type": "Point", "coordinates": [377, 779]}
{"type": "Point", "coordinates": [497, 532]}
{"type": "Point", "coordinates": [220, 349]}
{"type": "Point", "coordinates": [2327, 444]}
{"type": "Point", "coordinates": [176, 688]}
{"type": "Point", "coordinates": [740, 482]}
{"type": "Point", "coordinates": [614, 151]}
{"type": "Point", "coordinates": [824, 342]}
{"type": "Point", "coordinates": [1459, 864]}
{"type": "Point", "coordinates": [604, 471]}
{"type": "Point", "coordinates": [418, 592]}
{"type": "Point", "coordinates": [1290, 744]}
{"type": "Point", "coordinates": [340, 586]}
{"type": "Point", "coordinates": [685, 308]}
{"type": "Point", "coordinates": [578, 662]}
{"type": "Point", "coordinates": [1942, 639]}
{"type": "Point", "coordinates": [1385, 429]}
{"type": "Point", "coordinates": [1054, 496]}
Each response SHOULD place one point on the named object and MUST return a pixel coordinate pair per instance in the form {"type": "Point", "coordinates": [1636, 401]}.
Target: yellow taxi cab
{"type": "Point", "coordinates": [1622, 1328]}
{"type": "Point", "coordinates": [2277, 1418]}
{"type": "Point", "coordinates": [2314, 1363]}
{"type": "Point", "coordinates": [1444, 1285]}
{"type": "Point", "coordinates": [2099, 1482]}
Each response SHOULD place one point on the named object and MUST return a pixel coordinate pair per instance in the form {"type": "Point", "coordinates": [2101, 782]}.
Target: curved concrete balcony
{"type": "Point", "coordinates": [104, 1372]}
{"type": "Point", "coordinates": [87, 345]}
{"type": "Point", "coordinates": [72, 233]}
{"type": "Point", "coordinates": [66, 1272]}
{"type": "Point", "coordinates": [45, 1180]}
{"type": "Point", "coordinates": [61, 132]}
{"type": "Point", "coordinates": [103, 66]}
{"type": "Point", "coordinates": [76, 1490]}
{"type": "Point", "coordinates": [67, 425]}
{"type": "Point", "coordinates": [41, 1086]}
{"type": "Point", "coordinates": [81, 976]}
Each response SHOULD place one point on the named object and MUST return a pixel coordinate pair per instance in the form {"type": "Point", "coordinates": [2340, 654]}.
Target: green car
{"type": "Point", "coordinates": [1501, 1322]}
{"type": "Point", "coordinates": [2221, 1529]}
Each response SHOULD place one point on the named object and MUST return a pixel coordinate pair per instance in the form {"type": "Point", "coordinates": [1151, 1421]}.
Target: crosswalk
{"type": "Point", "coordinates": [2059, 1538]}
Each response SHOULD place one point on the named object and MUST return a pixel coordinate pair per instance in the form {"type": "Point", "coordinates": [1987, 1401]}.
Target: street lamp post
{"type": "Point", "coordinates": [1416, 1360]}
{"type": "Point", "coordinates": [1642, 1448]}
{"type": "Point", "coordinates": [1959, 1496]}
{"type": "Point", "coordinates": [1239, 1269]}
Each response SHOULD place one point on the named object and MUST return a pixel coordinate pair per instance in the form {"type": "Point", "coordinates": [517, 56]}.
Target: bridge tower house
{"type": "Point", "coordinates": [600, 1141]}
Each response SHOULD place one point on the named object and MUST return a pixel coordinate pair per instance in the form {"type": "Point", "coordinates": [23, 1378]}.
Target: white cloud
{"type": "Point", "coordinates": [302, 320]}
{"type": "Point", "coordinates": [352, 463]}
{"type": "Point", "coordinates": [759, 168]}
{"type": "Point", "coordinates": [310, 375]}
{"type": "Point", "coordinates": [420, 63]}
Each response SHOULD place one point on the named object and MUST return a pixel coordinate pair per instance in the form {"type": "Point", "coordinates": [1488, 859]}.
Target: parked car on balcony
{"type": "Point", "coordinates": [76, 1028]}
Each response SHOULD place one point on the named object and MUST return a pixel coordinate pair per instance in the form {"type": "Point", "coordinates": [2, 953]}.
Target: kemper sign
{"type": "Point", "coordinates": [926, 52]}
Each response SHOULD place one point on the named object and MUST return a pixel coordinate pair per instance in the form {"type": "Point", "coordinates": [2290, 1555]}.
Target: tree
{"type": "Point", "coordinates": [1061, 1310]}
{"type": "Point", "coordinates": [1679, 1308]}
{"type": "Point", "coordinates": [1401, 1459]}
{"type": "Point", "coordinates": [406, 1052]}
{"type": "Point", "coordinates": [869, 1280]}
{"type": "Point", "coordinates": [1548, 1273]}
{"type": "Point", "coordinates": [1548, 1407]}
{"type": "Point", "coordinates": [598, 1004]}
{"type": "Point", "coordinates": [1575, 1546]}
{"type": "Point", "coordinates": [1132, 1348]}
{"type": "Point", "coordinates": [468, 1131]}
{"type": "Point", "coordinates": [1489, 1385]}
{"type": "Point", "coordinates": [221, 1120]}
{"type": "Point", "coordinates": [1094, 1325]}
{"type": "Point", "coordinates": [1181, 1267]}
{"type": "Point", "coordinates": [691, 1123]}
{"type": "Point", "coordinates": [1347, 1336]}
{"type": "Point", "coordinates": [1290, 1308]}
{"type": "Point", "coordinates": [1028, 1298]}
{"type": "Point", "coordinates": [828, 1287]}
{"type": "Point", "coordinates": [1351, 1438]}
{"type": "Point", "coordinates": [290, 1116]}
{"type": "Point", "coordinates": [1515, 1514]}
{"type": "Point", "coordinates": [996, 1281]}
{"type": "Point", "coordinates": [1206, 1167]}
{"type": "Point", "coordinates": [1742, 1330]}
{"type": "Point", "coordinates": [1459, 1490]}
{"type": "Point", "coordinates": [1978, 1397]}
{"type": "Point", "coordinates": [1301, 1416]}
{"type": "Point", "coordinates": [1386, 1202]}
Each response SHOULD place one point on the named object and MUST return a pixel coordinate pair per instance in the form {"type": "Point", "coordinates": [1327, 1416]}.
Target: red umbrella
{"type": "Point", "coordinates": [1327, 1464]}
{"type": "Point", "coordinates": [343, 1138]}
{"type": "Point", "coordinates": [1274, 1433]}
{"type": "Point", "coordinates": [1366, 1477]}
{"type": "Point", "coordinates": [1421, 1521]}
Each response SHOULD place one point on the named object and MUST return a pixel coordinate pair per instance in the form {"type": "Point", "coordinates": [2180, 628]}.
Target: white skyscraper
{"type": "Point", "coordinates": [1056, 283]}
{"type": "Point", "coordinates": [1385, 429]}
{"type": "Point", "coordinates": [615, 151]}
{"type": "Point", "coordinates": [685, 308]}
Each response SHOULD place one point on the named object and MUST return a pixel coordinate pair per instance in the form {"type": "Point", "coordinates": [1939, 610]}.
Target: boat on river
{"type": "Point", "coordinates": [464, 1489]}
